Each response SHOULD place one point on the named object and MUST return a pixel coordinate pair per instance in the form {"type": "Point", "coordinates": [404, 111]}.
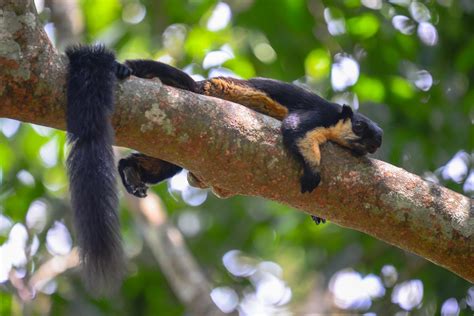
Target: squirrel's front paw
{"type": "Point", "coordinates": [137, 189]}
{"type": "Point", "coordinates": [131, 179]}
{"type": "Point", "coordinates": [309, 181]}
{"type": "Point", "coordinates": [122, 71]}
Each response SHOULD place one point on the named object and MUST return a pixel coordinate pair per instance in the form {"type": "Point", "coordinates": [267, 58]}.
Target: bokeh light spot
{"type": "Point", "coordinates": [265, 53]}
{"type": "Point", "coordinates": [133, 13]}
{"type": "Point", "coordinates": [408, 295]}
{"type": "Point", "coordinates": [450, 307]}
{"type": "Point", "coordinates": [9, 127]}
{"type": "Point", "coordinates": [419, 12]}
{"type": "Point", "coordinates": [225, 298]}
{"type": "Point", "coordinates": [58, 239]}
{"type": "Point", "coordinates": [318, 63]}
{"type": "Point", "coordinates": [427, 33]}
{"type": "Point", "coordinates": [344, 73]}
{"type": "Point", "coordinates": [220, 17]}
{"type": "Point", "coordinates": [36, 217]}
{"type": "Point", "coordinates": [403, 24]}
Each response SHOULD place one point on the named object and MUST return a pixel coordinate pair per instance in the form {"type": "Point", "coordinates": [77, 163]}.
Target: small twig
{"type": "Point", "coordinates": [52, 268]}
{"type": "Point", "coordinates": [175, 260]}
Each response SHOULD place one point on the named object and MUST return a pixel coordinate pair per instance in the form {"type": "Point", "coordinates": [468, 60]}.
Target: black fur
{"type": "Point", "coordinates": [370, 135]}
{"type": "Point", "coordinates": [294, 127]}
{"type": "Point", "coordinates": [135, 178]}
{"type": "Point", "coordinates": [295, 98]}
{"type": "Point", "coordinates": [318, 220]}
{"type": "Point", "coordinates": [306, 112]}
{"type": "Point", "coordinates": [137, 175]}
{"type": "Point", "coordinates": [168, 75]}
{"type": "Point", "coordinates": [91, 168]}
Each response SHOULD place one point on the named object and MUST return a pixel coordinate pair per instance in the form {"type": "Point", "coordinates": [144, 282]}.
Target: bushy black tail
{"type": "Point", "coordinates": [91, 166]}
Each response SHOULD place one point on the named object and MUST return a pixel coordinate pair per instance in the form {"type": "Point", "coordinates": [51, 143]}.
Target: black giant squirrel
{"type": "Point", "coordinates": [307, 122]}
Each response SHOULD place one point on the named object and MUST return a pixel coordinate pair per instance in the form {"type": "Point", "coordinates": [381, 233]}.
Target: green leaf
{"type": "Point", "coordinates": [201, 40]}
{"type": "Point", "coordinates": [7, 155]}
{"type": "Point", "coordinates": [365, 25]}
{"type": "Point", "coordinates": [6, 304]}
{"type": "Point", "coordinates": [318, 63]}
{"type": "Point", "coordinates": [241, 66]}
{"type": "Point", "coordinates": [352, 3]}
{"type": "Point", "coordinates": [407, 43]}
{"type": "Point", "coordinates": [370, 89]}
{"type": "Point", "coordinates": [99, 15]}
{"type": "Point", "coordinates": [401, 88]}
{"type": "Point", "coordinates": [137, 47]}
{"type": "Point", "coordinates": [465, 60]}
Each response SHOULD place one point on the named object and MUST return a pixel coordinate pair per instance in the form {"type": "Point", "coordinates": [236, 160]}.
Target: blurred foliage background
{"type": "Point", "coordinates": [406, 64]}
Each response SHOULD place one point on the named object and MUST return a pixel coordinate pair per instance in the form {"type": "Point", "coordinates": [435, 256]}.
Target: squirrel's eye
{"type": "Point", "coordinates": [359, 127]}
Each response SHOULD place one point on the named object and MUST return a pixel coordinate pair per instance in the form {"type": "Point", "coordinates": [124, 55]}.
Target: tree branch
{"type": "Point", "coordinates": [240, 151]}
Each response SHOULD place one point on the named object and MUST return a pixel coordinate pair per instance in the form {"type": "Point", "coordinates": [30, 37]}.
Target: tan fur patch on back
{"type": "Point", "coordinates": [236, 91]}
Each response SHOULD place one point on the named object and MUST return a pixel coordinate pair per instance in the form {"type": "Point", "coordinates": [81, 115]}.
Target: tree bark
{"type": "Point", "coordinates": [237, 150]}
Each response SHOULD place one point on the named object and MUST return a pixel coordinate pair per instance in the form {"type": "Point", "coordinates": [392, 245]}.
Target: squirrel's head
{"type": "Point", "coordinates": [366, 135]}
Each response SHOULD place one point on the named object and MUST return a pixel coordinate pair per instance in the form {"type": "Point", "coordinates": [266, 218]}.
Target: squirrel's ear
{"type": "Point", "coordinates": [346, 112]}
